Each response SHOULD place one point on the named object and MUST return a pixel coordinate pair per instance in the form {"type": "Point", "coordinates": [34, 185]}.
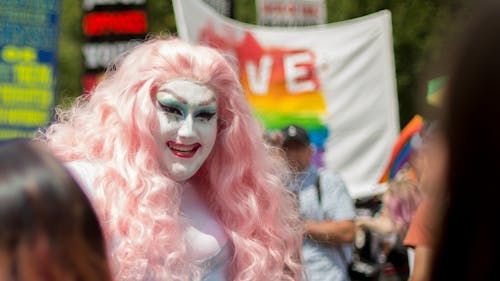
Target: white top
{"type": "Point", "coordinates": [204, 234]}
{"type": "Point", "coordinates": [207, 243]}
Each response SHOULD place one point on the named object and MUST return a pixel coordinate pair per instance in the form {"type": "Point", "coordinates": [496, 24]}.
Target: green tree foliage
{"type": "Point", "coordinates": [70, 61]}
{"type": "Point", "coordinates": [418, 26]}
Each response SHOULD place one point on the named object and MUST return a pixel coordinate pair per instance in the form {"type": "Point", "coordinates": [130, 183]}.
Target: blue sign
{"type": "Point", "coordinates": [28, 60]}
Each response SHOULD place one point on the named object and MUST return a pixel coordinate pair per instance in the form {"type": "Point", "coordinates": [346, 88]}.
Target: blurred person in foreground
{"type": "Point", "coordinates": [48, 229]}
{"type": "Point", "coordinates": [326, 209]}
{"type": "Point", "coordinates": [469, 245]}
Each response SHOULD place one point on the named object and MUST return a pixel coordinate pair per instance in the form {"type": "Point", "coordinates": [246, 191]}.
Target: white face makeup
{"type": "Point", "coordinates": [187, 113]}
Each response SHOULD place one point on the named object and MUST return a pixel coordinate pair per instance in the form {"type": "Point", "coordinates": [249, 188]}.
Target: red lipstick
{"type": "Point", "coordinates": [183, 150]}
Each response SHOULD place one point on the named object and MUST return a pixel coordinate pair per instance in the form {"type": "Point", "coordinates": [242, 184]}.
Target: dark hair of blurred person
{"type": "Point", "coordinates": [48, 229]}
{"type": "Point", "coordinates": [469, 245]}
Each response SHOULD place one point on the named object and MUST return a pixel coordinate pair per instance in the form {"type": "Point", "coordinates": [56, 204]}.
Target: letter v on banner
{"type": "Point", "coordinates": [259, 76]}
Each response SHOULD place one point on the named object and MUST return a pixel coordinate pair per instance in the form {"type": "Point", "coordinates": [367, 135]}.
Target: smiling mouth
{"type": "Point", "coordinates": [183, 150]}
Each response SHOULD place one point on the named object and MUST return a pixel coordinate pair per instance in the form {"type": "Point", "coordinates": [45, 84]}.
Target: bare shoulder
{"type": "Point", "coordinates": [84, 173]}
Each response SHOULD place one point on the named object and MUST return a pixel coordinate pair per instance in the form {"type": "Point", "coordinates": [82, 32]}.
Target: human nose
{"type": "Point", "coordinates": [186, 129]}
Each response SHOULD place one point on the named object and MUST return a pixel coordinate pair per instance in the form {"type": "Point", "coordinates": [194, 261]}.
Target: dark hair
{"type": "Point", "coordinates": [295, 137]}
{"type": "Point", "coordinates": [469, 248]}
{"type": "Point", "coordinates": [48, 229]}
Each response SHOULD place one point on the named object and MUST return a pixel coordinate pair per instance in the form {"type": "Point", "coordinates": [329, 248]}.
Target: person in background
{"type": "Point", "coordinates": [399, 204]}
{"type": "Point", "coordinates": [326, 209]}
{"type": "Point", "coordinates": [173, 159]}
{"type": "Point", "coordinates": [422, 232]}
{"type": "Point", "coordinates": [468, 247]}
{"type": "Point", "coordinates": [48, 229]}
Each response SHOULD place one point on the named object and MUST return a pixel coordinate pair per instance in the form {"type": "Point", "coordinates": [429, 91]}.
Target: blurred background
{"type": "Point", "coordinates": [418, 27]}
{"type": "Point", "coordinates": [65, 32]}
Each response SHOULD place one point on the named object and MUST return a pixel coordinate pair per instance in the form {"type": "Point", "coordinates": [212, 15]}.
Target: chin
{"type": "Point", "coordinates": [181, 169]}
{"type": "Point", "coordinates": [182, 174]}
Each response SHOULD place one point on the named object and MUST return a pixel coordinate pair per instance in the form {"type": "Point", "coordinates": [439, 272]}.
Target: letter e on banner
{"type": "Point", "coordinates": [298, 70]}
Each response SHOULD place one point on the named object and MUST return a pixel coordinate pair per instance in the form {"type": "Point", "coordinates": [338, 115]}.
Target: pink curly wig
{"type": "Point", "coordinates": [138, 203]}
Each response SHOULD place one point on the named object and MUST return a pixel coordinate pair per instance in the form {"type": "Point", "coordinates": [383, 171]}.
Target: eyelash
{"type": "Point", "coordinates": [205, 115]}
{"type": "Point", "coordinates": [171, 109]}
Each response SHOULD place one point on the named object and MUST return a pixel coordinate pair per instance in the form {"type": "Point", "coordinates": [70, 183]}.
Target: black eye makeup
{"type": "Point", "coordinates": [172, 109]}
{"type": "Point", "coordinates": [205, 115]}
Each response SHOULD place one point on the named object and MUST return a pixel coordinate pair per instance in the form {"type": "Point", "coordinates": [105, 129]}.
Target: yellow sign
{"type": "Point", "coordinates": [26, 92]}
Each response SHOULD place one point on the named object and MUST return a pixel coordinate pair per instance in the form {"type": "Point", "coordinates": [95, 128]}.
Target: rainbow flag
{"type": "Point", "coordinates": [277, 105]}
{"type": "Point", "coordinates": [402, 149]}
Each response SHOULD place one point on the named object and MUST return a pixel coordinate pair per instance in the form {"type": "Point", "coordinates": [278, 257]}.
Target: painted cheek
{"type": "Point", "coordinates": [207, 130]}
{"type": "Point", "coordinates": [168, 126]}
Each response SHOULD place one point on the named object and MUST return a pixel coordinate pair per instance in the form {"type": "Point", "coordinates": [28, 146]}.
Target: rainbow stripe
{"type": "Point", "coordinates": [402, 149]}
{"type": "Point", "coordinates": [277, 107]}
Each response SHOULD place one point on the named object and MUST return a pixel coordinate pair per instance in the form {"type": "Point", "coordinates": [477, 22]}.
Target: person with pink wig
{"type": "Point", "coordinates": [175, 165]}
{"type": "Point", "coordinates": [400, 202]}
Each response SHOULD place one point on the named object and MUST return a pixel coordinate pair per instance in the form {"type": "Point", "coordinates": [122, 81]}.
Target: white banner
{"type": "Point", "coordinates": [336, 80]}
